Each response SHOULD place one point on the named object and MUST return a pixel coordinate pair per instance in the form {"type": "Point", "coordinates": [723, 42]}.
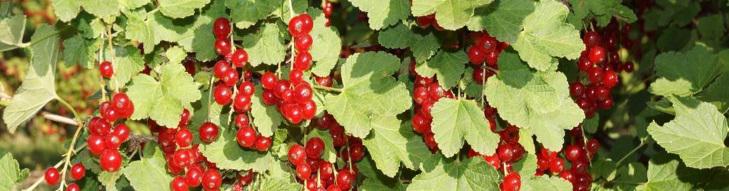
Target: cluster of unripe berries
{"type": "Point", "coordinates": [293, 97]}
{"type": "Point", "coordinates": [484, 49]}
{"type": "Point", "coordinates": [578, 154]}
{"type": "Point", "coordinates": [53, 177]}
{"type": "Point", "coordinates": [426, 93]}
{"type": "Point", "coordinates": [599, 64]}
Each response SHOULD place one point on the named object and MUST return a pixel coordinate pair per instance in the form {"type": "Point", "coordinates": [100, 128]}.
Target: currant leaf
{"type": "Point", "coordinates": [148, 173]}
{"type": "Point", "coordinates": [265, 118]}
{"type": "Point", "coordinates": [446, 66]}
{"type": "Point", "coordinates": [180, 8]}
{"type": "Point", "coordinates": [545, 183]}
{"type": "Point", "coordinates": [390, 144]}
{"type": "Point", "coordinates": [457, 120]}
{"type": "Point", "coordinates": [383, 13]}
{"type": "Point", "coordinates": [663, 174]}
{"type": "Point", "coordinates": [326, 47]}
{"type": "Point", "coordinates": [11, 32]}
{"type": "Point", "coordinates": [163, 100]}
{"type": "Point", "coordinates": [139, 29]}
{"type": "Point", "coordinates": [396, 37]}
{"type": "Point", "coordinates": [127, 62]}
{"type": "Point", "coordinates": [66, 10]}
{"type": "Point", "coordinates": [106, 9]}
{"type": "Point", "coordinates": [449, 174]}
{"type": "Point", "coordinates": [502, 18]}
{"type": "Point", "coordinates": [685, 74]}
{"type": "Point", "coordinates": [249, 12]}
{"type": "Point", "coordinates": [12, 174]}
{"type": "Point", "coordinates": [266, 46]}
{"type": "Point", "coordinates": [78, 50]}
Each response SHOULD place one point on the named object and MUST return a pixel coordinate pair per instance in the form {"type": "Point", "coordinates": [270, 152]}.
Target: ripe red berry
{"type": "Point", "coordinates": [596, 54]}
{"type": "Point", "coordinates": [591, 39]}
{"type": "Point", "coordinates": [302, 60]}
{"type": "Point", "coordinates": [263, 143]}
{"type": "Point", "coordinates": [510, 152]}
{"type": "Point", "coordinates": [325, 81]}
{"type": "Point", "coordinates": [73, 187]}
{"type": "Point", "coordinates": [120, 101]}
{"type": "Point", "coordinates": [246, 137]}
{"type": "Point", "coordinates": [112, 142]}
{"type": "Point", "coordinates": [595, 75]}
{"type": "Point", "coordinates": [95, 144]}
{"type": "Point", "coordinates": [178, 184]}
{"type": "Point", "coordinates": [492, 58]}
{"type": "Point", "coordinates": [194, 176]}
{"type": "Point", "coordinates": [577, 89]}
{"type": "Point", "coordinates": [122, 132]}
{"type": "Point", "coordinates": [223, 46]}
{"type": "Point", "coordinates": [268, 80]}
{"type": "Point", "coordinates": [556, 165]}
{"type": "Point", "coordinates": [303, 42]}
{"type": "Point", "coordinates": [314, 148]}
{"type": "Point", "coordinates": [296, 154]}
{"type": "Point", "coordinates": [592, 145]}
{"type": "Point", "coordinates": [303, 171]}
{"type": "Point", "coordinates": [221, 28]}
{"type": "Point", "coordinates": [242, 103]}
{"type": "Point", "coordinates": [246, 88]}
{"type": "Point", "coordinates": [78, 171]}
{"type": "Point", "coordinates": [574, 153]}
{"type": "Point", "coordinates": [606, 103]}
{"type": "Point", "coordinates": [208, 132]}
{"type": "Point", "coordinates": [221, 67]}
{"type": "Point", "coordinates": [425, 21]}
{"type": "Point", "coordinates": [512, 182]}
{"type": "Point", "coordinates": [240, 57]}
{"type": "Point", "coordinates": [222, 94]}
{"type": "Point", "coordinates": [183, 138]}
{"type": "Point", "coordinates": [610, 78]}
{"type": "Point", "coordinates": [184, 118]}
{"type": "Point", "coordinates": [601, 93]}
{"type": "Point", "coordinates": [421, 124]}
{"type": "Point", "coordinates": [110, 160]}
{"type": "Point", "coordinates": [98, 126]}
{"type": "Point", "coordinates": [212, 180]}
{"type": "Point", "coordinates": [301, 24]}
{"type": "Point", "coordinates": [308, 109]}
{"type": "Point", "coordinates": [477, 55]}
{"type": "Point", "coordinates": [52, 176]}
{"type": "Point", "coordinates": [106, 69]}
{"type": "Point", "coordinates": [345, 178]}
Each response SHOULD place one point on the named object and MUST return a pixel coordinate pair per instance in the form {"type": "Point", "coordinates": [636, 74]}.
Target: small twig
{"type": "Point", "coordinates": [59, 118]}
{"type": "Point", "coordinates": [328, 88]}
{"type": "Point", "coordinates": [642, 143]}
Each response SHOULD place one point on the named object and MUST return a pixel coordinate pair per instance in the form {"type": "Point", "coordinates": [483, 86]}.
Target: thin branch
{"type": "Point", "coordinates": [59, 118]}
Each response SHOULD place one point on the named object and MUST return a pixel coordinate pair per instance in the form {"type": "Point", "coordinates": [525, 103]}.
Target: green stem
{"type": "Point", "coordinates": [642, 143]}
{"type": "Point", "coordinates": [76, 116]}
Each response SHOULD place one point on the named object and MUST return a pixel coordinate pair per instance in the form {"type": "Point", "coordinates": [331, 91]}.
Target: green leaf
{"type": "Point", "coordinates": [457, 120]}
{"type": "Point", "coordinates": [199, 37]}
{"type": "Point", "coordinates": [370, 94]}
{"type": "Point", "coordinates": [139, 29]}
{"type": "Point", "coordinates": [425, 7]}
{"type": "Point", "coordinates": [265, 118]}
{"type": "Point", "coordinates": [248, 12]}
{"type": "Point", "coordinates": [696, 134]}
{"type": "Point", "coordinates": [78, 50]}
{"type": "Point", "coordinates": [127, 62]}
{"type": "Point", "coordinates": [717, 93]}
{"type": "Point", "coordinates": [109, 179]}
{"type": "Point", "coordinates": [326, 47]}
{"type": "Point", "coordinates": [330, 153]}
{"type": "Point", "coordinates": [133, 4]}
{"type": "Point", "coordinates": [101, 8]}
{"type": "Point", "coordinates": [266, 46]}
{"type": "Point", "coordinates": [601, 11]}
{"type": "Point", "coordinates": [66, 10]}
{"type": "Point", "coordinates": [227, 154]}
{"type": "Point", "coordinates": [180, 8]}
{"type": "Point", "coordinates": [546, 36]}
{"type": "Point", "coordinates": [545, 183]}
{"type": "Point", "coordinates": [383, 13]}
{"type": "Point", "coordinates": [163, 100]}
{"type": "Point", "coordinates": [502, 18]}
{"type": "Point", "coordinates": [38, 87]}
{"type": "Point", "coordinates": [454, 14]}
{"type": "Point", "coordinates": [397, 37]}
{"type": "Point", "coordinates": [447, 66]}
{"type": "Point", "coordinates": [391, 144]}
{"type": "Point", "coordinates": [538, 101]}
{"type": "Point", "coordinates": [273, 183]}
{"type": "Point", "coordinates": [10, 173]}
{"type": "Point", "coordinates": [150, 171]}
{"type": "Point", "coordinates": [424, 47]}
{"type": "Point", "coordinates": [465, 175]}
{"type": "Point", "coordinates": [11, 32]}
{"type": "Point", "coordinates": [375, 181]}
{"type": "Point", "coordinates": [663, 175]}
{"type": "Point", "coordinates": [684, 74]}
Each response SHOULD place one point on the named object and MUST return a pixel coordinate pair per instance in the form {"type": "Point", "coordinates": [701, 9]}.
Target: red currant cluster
{"type": "Point", "coordinates": [426, 93]}
{"type": "Point", "coordinates": [183, 157]}
{"type": "Point", "coordinates": [52, 176]}
{"type": "Point", "coordinates": [103, 140]}
{"type": "Point", "coordinates": [293, 97]}
{"type": "Point", "coordinates": [328, 8]}
{"type": "Point", "coordinates": [349, 147]}
{"type": "Point", "coordinates": [484, 49]}
{"type": "Point", "coordinates": [508, 152]}
{"type": "Point", "coordinates": [601, 74]}
{"type": "Point", "coordinates": [307, 158]}
{"type": "Point", "coordinates": [578, 154]}
{"type": "Point", "coordinates": [247, 137]}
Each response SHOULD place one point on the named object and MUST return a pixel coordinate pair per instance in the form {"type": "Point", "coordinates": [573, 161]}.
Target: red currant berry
{"type": "Point", "coordinates": [301, 24]}
{"type": "Point", "coordinates": [73, 187]}
{"type": "Point", "coordinates": [121, 131]}
{"type": "Point", "coordinates": [591, 39]}
{"type": "Point", "coordinates": [303, 171]}
{"type": "Point", "coordinates": [178, 184]}
{"type": "Point", "coordinates": [577, 89]}
{"type": "Point", "coordinates": [476, 55]}
{"type": "Point", "coordinates": [246, 137]}
{"type": "Point", "coordinates": [110, 160]}
{"type": "Point", "coordinates": [308, 109]}
{"type": "Point", "coordinates": [230, 78]}
{"type": "Point", "coordinates": [345, 178]}
{"type": "Point", "coordinates": [574, 153]}
{"type": "Point", "coordinates": [242, 120]}
{"type": "Point", "coordinates": [78, 171]}
{"type": "Point", "coordinates": [222, 46]}
{"type": "Point", "coordinates": [596, 54]}
{"type": "Point", "coordinates": [303, 42]}
{"type": "Point", "coordinates": [246, 88]}
{"type": "Point", "coordinates": [95, 144]}
{"type": "Point", "coordinates": [512, 182]}
{"type": "Point", "coordinates": [208, 132]}
{"type": "Point", "coordinates": [106, 69]}
{"type": "Point", "coordinates": [303, 92]}
{"type": "Point", "coordinates": [221, 68]}
{"type": "Point", "coordinates": [212, 180]}
{"type": "Point", "coordinates": [194, 176]}
{"type": "Point", "coordinates": [268, 80]}
{"type": "Point", "coordinates": [98, 126]}
{"type": "Point", "coordinates": [302, 60]}
{"type": "Point", "coordinates": [240, 58]}
{"type": "Point", "coordinates": [184, 118]}
{"type": "Point", "coordinates": [242, 103]}
{"type": "Point", "coordinates": [314, 148]}
{"type": "Point", "coordinates": [112, 142]}
{"type": "Point", "coordinates": [325, 81]}
{"type": "Point", "coordinates": [52, 176]}
{"type": "Point", "coordinates": [610, 78]}
{"type": "Point", "coordinates": [183, 138]}
{"type": "Point", "coordinates": [296, 76]}
{"type": "Point", "coordinates": [297, 155]}
{"type": "Point", "coordinates": [222, 94]}
{"type": "Point", "coordinates": [263, 143]}
{"type": "Point", "coordinates": [595, 75]}
{"type": "Point", "coordinates": [592, 145]}
{"type": "Point", "coordinates": [221, 28]}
